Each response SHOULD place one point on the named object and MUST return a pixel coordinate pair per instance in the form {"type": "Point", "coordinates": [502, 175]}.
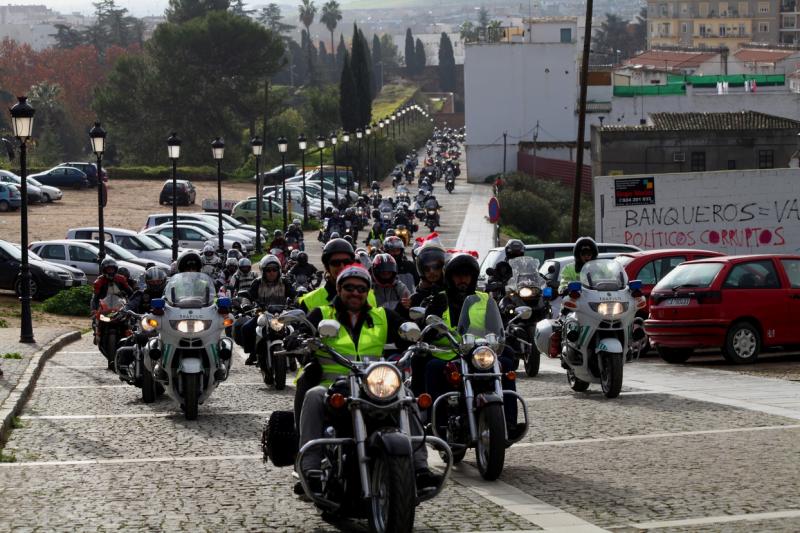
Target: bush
{"type": "Point", "coordinates": [73, 302]}
{"type": "Point", "coordinates": [205, 173]}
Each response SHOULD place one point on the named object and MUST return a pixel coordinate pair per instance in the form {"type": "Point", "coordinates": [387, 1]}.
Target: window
{"type": "Point", "coordinates": [53, 251]}
{"type": "Point", "coordinates": [703, 9]}
{"type": "Point", "coordinates": [792, 268]}
{"type": "Point", "coordinates": [722, 30]}
{"type": "Point", "coordinates": [698, 161]}
{"type": "Point", "coordinates": [731, 164]}
{"type": "Point", "coordinates": [763, 8]}
{"type": "Point", "coordinates": [752, 275]}
{"type": "Point", "coordinates": [663, 10]}
{"type": "Point", "coordinates": [684, 27]}
{"type": "Point", "coordinates": [128, 243]}
{"type": "Point", "coordinates": [723, 9]}
{"type": "Point", "coordinates": [763, 27]}
{"type": "Point", "coordinates": [702, 30]}
{"type": "Point", "coordinates": [78, 253]}
{"type": "Point", "coordinates": [166, 232]}
{"type": "Point", "coordinates": [766, 159]}
{"type": "Point", "coordinates": [744, 9]}
{"type": "Point", "coordinates": [566, 35]}
{"type": "Point", "coordinates": [742, 29]}
{"type": "Point", "coordinates": [654, 271]}
{"type": "Point", "coordinates": [647, 275]}
{"type": "Point", "coordinates": [191, 235]}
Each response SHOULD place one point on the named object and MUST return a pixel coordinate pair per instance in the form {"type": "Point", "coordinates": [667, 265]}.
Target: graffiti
{"type": "Point", "coordinates": [778, 211]}
{"type": "Point", "coordinates": [750, 237]}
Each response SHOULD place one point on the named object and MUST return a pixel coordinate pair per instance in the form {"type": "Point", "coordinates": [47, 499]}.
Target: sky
{"type": "Point", "coordinates": [138, 8]}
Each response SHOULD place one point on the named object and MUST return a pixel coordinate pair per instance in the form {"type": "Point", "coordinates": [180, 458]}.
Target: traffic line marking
{"type": "Point", "coordinates": [688, 522]}
{"type": "Point", "coordinates": [583, 395]}
{"type": "Point", "coordinates": [121, 386]}
{"type": "Point", "coordinates": [141, 415]}
{"type": "Point", "coordinates": [137, 460]}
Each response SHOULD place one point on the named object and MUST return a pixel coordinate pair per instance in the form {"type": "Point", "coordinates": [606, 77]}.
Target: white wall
{"type": "Point", "coordinates": [509, 87]}
{"type": "Point", "coordinates": [550, 31]}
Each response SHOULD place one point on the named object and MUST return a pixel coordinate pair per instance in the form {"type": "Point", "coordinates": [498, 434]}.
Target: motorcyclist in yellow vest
{"type": "Point", "coordinates": [337, 254]}
{"type": "Point", "coordinates": [364, 332]}
{"type": "Point", "coordinates": [460, 280]}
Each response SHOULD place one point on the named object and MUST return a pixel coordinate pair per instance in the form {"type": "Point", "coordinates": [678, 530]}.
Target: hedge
{"type": "Point", "coordinates": [74, 302]}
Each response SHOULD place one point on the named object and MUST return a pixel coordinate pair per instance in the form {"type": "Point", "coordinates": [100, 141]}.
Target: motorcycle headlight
{"type": "Point", "coordinates": [382, 382]}
{"type": "Point", "coordinates": [526, 292]}
{"type": "Point", "coordinates": [275, 324]}
{"type": "Point", "coordinates": [149, 324]}
{"type": "Point", "coordinates": [190, 326]}
{"type": "Point", "coordinates": [105, 318]}
{"type": "Point", "coordinates": [431, 211]}
{"type": "Point", "coordinates": [610, 310]}
{"type": "Point", "coordinates": [483, 358]}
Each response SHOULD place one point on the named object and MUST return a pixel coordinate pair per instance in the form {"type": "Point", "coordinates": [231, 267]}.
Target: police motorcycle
{"type": "Point", "coordinates": [472, 414]}
{"type": "Point", "coordinates": [367, 466]}
{"type": "Point", "coordinates": [526, 287]}
{"type": "Point", "coordinates": [597, 327]}
{"type": "Point", "coordinates": [110, 326]}
{"type": "Point", "coordinates": [191, 353]}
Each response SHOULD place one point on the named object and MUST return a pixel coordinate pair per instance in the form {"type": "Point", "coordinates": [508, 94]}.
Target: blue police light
{"type": "Point", "coordinates": [635, 285]}
{"type": "Point", "coordinates": [574, 286]}
{"type": "Point", "coordinates": [224, 302]}
{"type": "Point", "coordinates": [157, 303]}
{"type": "Point", "coordinates": [548, 292]}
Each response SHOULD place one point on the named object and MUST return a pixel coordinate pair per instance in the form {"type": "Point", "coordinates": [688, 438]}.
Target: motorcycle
{"type": "Point", "coordinates": [402, 232]}
{"type": "Point", "coordinates": [597, 326]}
{"type": "Point", "coordinates": [450, 182]}
{"type": "Point", "coordinates": [473, 412]}
{"type": "Point", "coordinates": [431, 218]}
{"type": "Point", "coordinates": [270, 333]}
{"type": "Point", "coordinates": [525, 288]}
{"type": "Point", "coordinates": [110, 326]}
{"type": "Point", "coordinates": [130, 360]}
{"type": "Point", "coordinates": [191, 346]}
{"type": "Point", "coordinates": [367, 467]}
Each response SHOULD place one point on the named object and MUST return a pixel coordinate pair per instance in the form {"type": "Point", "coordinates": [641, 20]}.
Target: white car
{"type": "Point", "coordinates": [294, 199]}
{"type": "Point", "coordinates": [125, 238]}
{"type": "Point", "coordinates": [213, 228]}
{"type": "Point", "coordinates": [80, 255]}
{"type": "Point", "coordinates": [228, 223]}
{"type": "Point", "coordinates": [121, 254]}
{"type": "Point", "coordinates": [49, 193]}
{"type": "Point", "coordinates": [190, 236]}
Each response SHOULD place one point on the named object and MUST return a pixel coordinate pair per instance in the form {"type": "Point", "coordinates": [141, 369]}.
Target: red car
{"type": "Point", "coordinates": [740, 304]}
{"type": "Point", "coordinates": [651, 266]}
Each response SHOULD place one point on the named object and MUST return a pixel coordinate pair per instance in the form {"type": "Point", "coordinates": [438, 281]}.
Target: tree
{"type": "Point", "coordinates": [341, 50]}
{"type": "Point", "coordinates": [420, 59]}
{"type": "Point", "coordinates": [494, 32]}
{"type": "Point", "coordinates": [612, 41]}
{"type": "Point", "coordinates": [447, 64]}
{"type": "Point", "coordinates": [370, 72]}
{"type": "Point", "coordinates": [468, 32]}
{"type": "Point", "coordinates": [322, 109]}
{"type": "Point", "coordinates": [483, 18]}
{"type": "Point", "coordinates": [238, 8]}
{"type": "Point", "coordinates": [180, 11]}
{"type": "Point", "coordinates": [389, 52]}
{"type": "Point", "coordinates": [67, 37]}
{"type": "Point", "coordinates": [348, 98]}
{"type": "Point", "coordinates": [331, 15]}
{"type": "Point", "coordinates": [377, 63]}
{"type": "Point", "coordinates": [308, 11]}
{"type": "Point", "coordinates": [271, 17]}
{"type": "Point", "coordinates": [639, 31]}
{"type": "Point", "coordinates": [410, 53]}
{"type": "Point", "coordinates": [362, 77]}
{"type": "Point", "coordinates": [323, 53]}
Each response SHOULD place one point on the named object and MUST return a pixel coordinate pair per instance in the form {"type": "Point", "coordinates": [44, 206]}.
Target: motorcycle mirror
{"type": "Point", "coordinates": [574, 286]}
{"type": "Point", "coordinates": [415, 313]}
{"type": "Point", "coordinates": [490, 271]}
{"type": "Point", "coordinates": [523, 312]}
{"type": "Point", "coordinates": [635, 285]}
{"type": "Point", "coordinates": [433, 320]}
{"type": "Point", "coordinates": [329, 329]}
{"type": "Point", "coordinates": [551, 269]}
{"type": "Point", "coordinates": [292, 316]}
{"type": "Point", "coordinates": [409, 331]}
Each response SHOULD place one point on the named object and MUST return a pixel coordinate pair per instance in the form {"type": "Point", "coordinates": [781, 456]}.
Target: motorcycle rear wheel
{"type": "Point", "coordinates": [393, 486]}
{"type": "Point", "coordinates": [611, 374]}
{"type": "Point", "coordinates": [532, 362]}
{"type": "Point", "coordinates": [191, 395]}
{"type": "Point", "coordinates": [490, 449]}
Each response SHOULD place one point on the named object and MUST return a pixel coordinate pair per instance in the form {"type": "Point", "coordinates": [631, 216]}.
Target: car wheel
{"type": "Point", "coordinates": [35, 292]}
{"type": "Point", "coordinates": [47, 198]}
{"type": "Point", "coordinates": [742, 344]}
{"type": "Point", "coordinates": [675, 356]}
{"type": "Point", "coordinates": [3, 206]}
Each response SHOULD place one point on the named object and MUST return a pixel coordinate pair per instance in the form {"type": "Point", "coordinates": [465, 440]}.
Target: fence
{"type": "Point", "coordinates": [554, 170]}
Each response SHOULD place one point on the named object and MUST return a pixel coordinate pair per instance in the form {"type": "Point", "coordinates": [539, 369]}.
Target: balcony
{"type": "Point", "coordinates": [790, 6]}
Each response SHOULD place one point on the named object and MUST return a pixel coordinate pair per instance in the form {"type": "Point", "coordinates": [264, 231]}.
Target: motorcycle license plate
{"type": "Point", "coordinates": [673, 302]}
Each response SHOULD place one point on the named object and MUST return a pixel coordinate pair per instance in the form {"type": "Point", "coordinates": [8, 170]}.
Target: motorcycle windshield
{"type": "Point", "coordinates": [525, 273]}
{"type": "Point", "coordinates": [111, 303]}
{"type": "Point", "coordinates": [481, 319]}
{"type": "Point", "coordinates": [603, 275]}
{"type": "Point", "coordinates": [189, 290]}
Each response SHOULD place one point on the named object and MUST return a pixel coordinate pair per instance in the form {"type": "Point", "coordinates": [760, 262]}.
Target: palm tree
{"type": "Point", "coordinates": [331, 15]}
{"type": "Point", "coordinates": [307, 13]}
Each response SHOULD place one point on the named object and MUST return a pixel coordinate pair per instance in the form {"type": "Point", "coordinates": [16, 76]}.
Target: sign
{"type": "Point", "coordinates": [634, 191]}
{"type": "Point", "coordinates": [494, 210]}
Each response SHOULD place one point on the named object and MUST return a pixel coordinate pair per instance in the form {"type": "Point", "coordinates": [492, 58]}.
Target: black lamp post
{"type": "Point", "coordinates": [22, 124]}
{"type": "Point", "coordinates": [334, 139]}
{"type": "Point", "coordinates": [321, 146]}
{"type": "Point", "coordinates": [174, 152]}
{"type": "Point", "coordinates": [367, 133]}
{"type": "Point", "coordinates": [258, 147]}
{"type": "Point", "coordinates": [98, 138]}
{"type": "Point", "coordinates": [283, 145]}
{"type": "Point", "coordinates": [217, 151]}
{"type": "Point", "coordinates": [346, 141]}
{"type": "Point", "coordinates": [375, 176]}
{"type": "Point", "coordinates": [359, 136]}
{"type": "Point", "coordinates": [302, 144]}
{"type": "Point", "coordinates": [392, 118]}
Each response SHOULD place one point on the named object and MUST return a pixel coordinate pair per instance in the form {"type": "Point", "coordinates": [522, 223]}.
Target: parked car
{"type": "Point", "coordinates": [80, 255]}
{"type": "Point", "coordinates": [245, 211]}
{"type": "Point", "coordinates": [741, 304]}
{"type": "Point", "coordinates": [186, 194]}
{"type": "Point", "coordinates": [313, 185]}
{"type": "Point", "coordinates": [278, 173]}
{"type": "Point", "coordinates": [64, 177]}
{"type": "Point", "coordinates": [49, 193]}
{"type": "Point", "coordinates": [543, 252]}
{"type": "Point", "coordinates": [121, 254]}
{"type": "Point", "coordinates": [189, 236]}
{"type": "Point", "coordinates": [46, 278]}
{"type": "Point", "coordinates": [90, 169]}
{"type": "Point", "coordinates": [212, 227]}
{"type": "Point", "coordinates": [294, 199]}
{"type": "Point", "coordinates": [131, 241]}
{"type": "Point", "coordinates": [35, 195]}
{"type": "Point", "coordinates": [163, 243]}
{"type": "Point", "coordinates": [229, 223]}
{"type": "Point", "coordinates": [9, 197]}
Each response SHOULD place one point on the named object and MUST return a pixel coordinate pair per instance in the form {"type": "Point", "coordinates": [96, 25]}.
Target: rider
{"type": "Point", "coordinates": [430, 261]}
{"type": "Point", "coordinates": [294, 234]}
{"type": "Point", "coordinates": [243, 278]}
{"type": "Point", "coordinates": [303, 271]}
{"type": "Point", "coordinates": [278, 241]}
{"type": "Point", "coordinates": [225, 278]}
{"type": "Point", "coordinates": [109, 281]}
{"type": "Point", "coordinates": [211, 262]}
{"type": "Point", "coordinates": [390, 292]}
{"type": "Point", "coordinates": [502, 272]}
{"type": "Point", "coordinates": [364, 332]}
{"type": "Point", "coordinates": [337, 254]}
{"type": "Point", "coordinates": [155, 280]}
{"type": "Point", "coordinates": [406, 271]}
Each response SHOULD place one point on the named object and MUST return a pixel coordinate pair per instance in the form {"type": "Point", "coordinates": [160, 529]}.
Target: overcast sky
{"type": "Point", "coordinates": [136, 7]}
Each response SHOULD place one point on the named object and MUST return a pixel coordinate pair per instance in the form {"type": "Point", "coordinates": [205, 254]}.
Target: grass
{"type": "Point", "coordinates": [3, 323]}
{"type": "Point", "coordinates": [7, 458]}
{"type": "Point", "coordinates": [12, 355]}
{"type": "Point", "coordinates": [390, 98]}
{"type": "Point", "coordinates": [16, 423]}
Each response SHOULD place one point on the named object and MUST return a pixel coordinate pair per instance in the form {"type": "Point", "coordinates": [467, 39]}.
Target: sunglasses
{"type": "Point", "coordinates": [271, 269]}
{"type": "Point", "coordinates": [339, 262]}
{"type": "Point", "coordinates": [432, 267]}
{"type": "Point", "coordinates": [360, 289]}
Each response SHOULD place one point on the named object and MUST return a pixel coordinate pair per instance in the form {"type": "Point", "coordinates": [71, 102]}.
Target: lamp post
{"type": "Point", "coordinates": [218, 150]}
{"type": "Point", "coordinates": [334, 139]}
{"type": "Point", "coordinates": [258, 147]}
{"type": "Point", "coordinates": [393, 117]}
{"type": "Point", "coordinates": [283, 145]}
{"type": "Point", "coordinates": [302, 144]}
{"type": "Point", "coordinates": [22, 124]}
{"type": "Point", "coordinates": [174, 152]}
{"type": "Point", "coordinates": [367, 133]}
{"type": "Point", "coordinates": [375, 151]}
{"type": "Point", "coordinates": [98, 137]}
{"type": "Point", "coordinates": [346, 141]}
{"type": "Point", "coordinates": [359, 135]}
{"type": "Point", "coordinates": [321, 146]}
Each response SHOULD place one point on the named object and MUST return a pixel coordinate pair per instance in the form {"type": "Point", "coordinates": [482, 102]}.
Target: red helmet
{"type": "Point", "coordinates": [384, 270]}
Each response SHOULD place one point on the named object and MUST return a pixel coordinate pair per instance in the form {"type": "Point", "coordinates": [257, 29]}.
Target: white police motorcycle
{"type": "Point", "coordinates": [191, 353]}
{"type": "Point", "coordinates": [597, 324]}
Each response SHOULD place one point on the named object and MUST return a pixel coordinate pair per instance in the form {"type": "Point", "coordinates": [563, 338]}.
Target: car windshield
{"type": "Point", "coordinates": [489, 261]}
{"type": "Point", "coordinates": [623, 260]}
{"type": "Point", "coordinates": [603, 275]}
{"type": "Point", "coordinates": [163, 243]}
{"type": "Point", "coordinates": [189, 290]}
{"type": "Point", "coordinates": [525, 272]}
{"type": "Point", "coordinates": [699, 275]}
{"type": "Point", "coordinates": [481, 319]}
{"type": "Point", "coordinates": [34, 182]}
{"type": "Point", "coordinates": [117, 252]}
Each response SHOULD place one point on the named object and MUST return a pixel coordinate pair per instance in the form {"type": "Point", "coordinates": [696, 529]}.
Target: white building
{"type": "Point", "coordinates": [512, 87]}
{"type": "Point", "coordinates": [35, 25]}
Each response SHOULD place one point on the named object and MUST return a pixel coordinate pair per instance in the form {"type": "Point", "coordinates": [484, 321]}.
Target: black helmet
{"type": "Point", "coordinates": [348, 238]}
{"type": "Point", "coordinates": [375, 185]}
{"type": "Point", "coordinates": [302, 258]}
{"type": "Point", "coordinates": [109, 268]}
{"type": "Point", "coordinates": [581, 244]}
{"type": "Point", "coordinates": [458, 264]}
{"type": "Point", "coordinates": [190, 261]}
{"type": "Point", "coordinates": [514, 248]}
{"type": "Point", "coordinates": [429, 255]}
{"type": "Point", "coordinates": [337, 246]}
{"type": "Point", "coordinates": [155, 278]}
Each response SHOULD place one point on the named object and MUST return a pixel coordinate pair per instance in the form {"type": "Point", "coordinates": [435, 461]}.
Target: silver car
{"type": "Point", "coordinates": [80, 255]}
{"type": "Point", "coordinates": [131, 241]}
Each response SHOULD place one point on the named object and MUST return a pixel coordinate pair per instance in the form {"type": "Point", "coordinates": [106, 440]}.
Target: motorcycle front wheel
{"type": "Point", "coordinates": [191, 395]}
{"type": "Point", "coordinates": [611, 374]}
{"type": "Point", "coordinates": [394, 494]}
{"type": "Point", "coordinates": [490, 450]}
{"type": "Point", "coordinates": [279, 370]}
{"type": "Point", "coordinates": [576, 384]}
{"type": "Point", "coordinates": [266, 372]}
{"type": "Point", "coordinates": [532, 361]}
{"type": "Point", "coordinates": [109, 345]}
{"type": "Point", "coordinates": [149, 391]}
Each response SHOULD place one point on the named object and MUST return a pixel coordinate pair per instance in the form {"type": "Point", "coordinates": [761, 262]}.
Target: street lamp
{"type": "Point", "coordinates": [98, 137]}
{"type": "Point", "coordinates": [258, 147]}
{"type": "Point", "coordinates": [367, 133]}
{"type": "Point", "coordinates": [217, 151]}
{"type": "Point", "coordinates": [334, 139]}
{"type": "Point", "coordinates": [174, 152]}
{"type": "Point", "coordinates": [346, 141]}
{"type": "Point", "coordinates": [302, 144]}
{"type": "Point", "coordinates": [393, 117]}
{"type": "Point", "coordinates": [283, 145]}
{"type": "Point", "coordinates": [359, 135]}
{"type": "Point", "coordinates": [22, 124]}
{"type": "Point", "coordinates": [321, 146]}
{"type": "Point", "coordinates": [375, 153]}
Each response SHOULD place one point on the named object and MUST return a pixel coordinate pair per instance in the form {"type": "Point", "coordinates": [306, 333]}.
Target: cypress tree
{"type": "Point", "coordinates": [368, 67]}
{"type": "Point", "coordinates": [447, 64]}
{"type": "Point", "coordinates": [341, 51]}
{"type": "Point", "coordinates": [410, 54]}
{"type": "Point", "coordinates": [361, 75]}
{"type": "Point", "coordinates": [419, 57]}
{"type": "Point", "coordinates": [348, 98]}
{"type": "Point", "coordinates": [377, 63]}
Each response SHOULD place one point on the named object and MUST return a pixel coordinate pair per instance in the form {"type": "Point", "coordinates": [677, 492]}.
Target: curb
{"type": "Point", "coordinates": [22, 390]}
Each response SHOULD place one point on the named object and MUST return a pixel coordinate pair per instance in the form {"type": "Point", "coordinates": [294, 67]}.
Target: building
{"type": "Point", "coordinates": [714, 23]}
{"type": "Point", "coordinates": [694, 142]}
{"type": "Point", "coordinates": [759, 60]}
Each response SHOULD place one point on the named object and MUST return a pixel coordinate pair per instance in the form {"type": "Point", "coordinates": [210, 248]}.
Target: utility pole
{"type": "Point", "coordinates": [535, 140]}
{"type": "Point", "coordinates": [505, 137]}
{"type": "Point", "coordinates": [576, 192]}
